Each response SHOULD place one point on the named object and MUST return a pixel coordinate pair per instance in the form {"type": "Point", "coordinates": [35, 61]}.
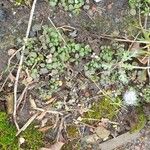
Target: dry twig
{"type": "Point", "coordinates": [27, 123]}
{"type": "Point", "coordinates": [20, 64]}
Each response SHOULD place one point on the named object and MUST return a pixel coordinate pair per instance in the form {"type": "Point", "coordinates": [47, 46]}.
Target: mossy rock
{"type": "Point", "coordinates": [105, 108]}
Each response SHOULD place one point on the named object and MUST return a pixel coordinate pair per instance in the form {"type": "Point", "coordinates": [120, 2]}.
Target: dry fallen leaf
{"type": "Point", "coordinates": [45, 129]}
{"type": "Point", "coordinates": [10, 103]}
{"type": "Point", "coordinates": [32, 102]}
{"type": "Point", "coordinates": [136, 47]}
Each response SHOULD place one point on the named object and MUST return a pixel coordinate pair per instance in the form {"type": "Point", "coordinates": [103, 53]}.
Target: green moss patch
{"type": "Point", "coordinates": [105, 108]}
{"type": "Point", "coordinates": [33, 138]}
{"type": "Point", "coordinates": [141, 121]}
{"type": "Point", "coordinates": [7, 134]}
{"type": "Point", "coordinates": [72, 131]}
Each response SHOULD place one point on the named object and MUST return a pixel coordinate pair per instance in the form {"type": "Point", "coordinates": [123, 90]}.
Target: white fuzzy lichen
{"type": "Point", "coordinates": [130, 98]}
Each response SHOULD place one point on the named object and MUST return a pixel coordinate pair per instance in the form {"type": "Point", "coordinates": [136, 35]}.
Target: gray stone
{"type": "Point", "coordinates": [118, 141]}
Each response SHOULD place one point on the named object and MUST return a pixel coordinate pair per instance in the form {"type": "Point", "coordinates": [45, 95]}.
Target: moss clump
{"type": "Point", "coordinates": [72, 145]}
{"type": "Point", "coordinates": [105, 108]}
{"type": "Point", "coordinates": [146, 94]}
{"type": "Point", "coordinates": [7, 134]}
{"type": "Point", "coordinates": [72, 131]}
{"type": "Point", "coordinates": [33, 138]}
{"type": "Point", "coordinates": [141, 121]}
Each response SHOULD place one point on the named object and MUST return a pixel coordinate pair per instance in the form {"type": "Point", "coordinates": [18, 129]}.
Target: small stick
{"type": "Point", "coordinates": [27, 123]}
{"type": "Point", "coordinates": [21, 62]}
{"type": "Point", "coordinates": [49, 111]}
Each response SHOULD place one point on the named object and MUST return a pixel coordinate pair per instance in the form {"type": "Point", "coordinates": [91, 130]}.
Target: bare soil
{"type": "Point", "coordinates": [108, 17]}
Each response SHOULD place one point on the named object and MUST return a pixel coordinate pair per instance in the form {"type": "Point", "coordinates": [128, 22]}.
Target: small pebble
{"type": "Point", "coordinates": [73, 34]}
{"type": "Point", "coordinates": [86, 7]}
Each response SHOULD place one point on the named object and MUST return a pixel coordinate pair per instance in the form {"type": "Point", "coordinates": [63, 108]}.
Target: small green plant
{"type": "Point", "coordinates": [50, 56]}
{"type": "Point", "coordinates": [111, 65]}
{"type": "Point", "coordinates": [72, 131]}
{"type": "Point", "coordinates": [141, 120]}
{"type": "Point", "coordinates": [146, 94]}
{"type": "Point", "coordinates": [19, 2]}
{"type": "Point", "coordinates": [69, 5]}
{"type": "Point", "coordinates": [143, 5]}
{"type": "Point", "coordinates": [7, 134]}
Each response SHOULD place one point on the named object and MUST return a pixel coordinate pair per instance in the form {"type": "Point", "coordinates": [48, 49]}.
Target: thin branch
{"type": "Point", "coordinates": [21, 62]}
{"type": "Point", "coordinates": [124, 40]}
{"type": "Point", "coordinates": [27, 124]}
{"type": "Point", "coordinates": [48, 111]}
{"type": "Point", "coordinates": [139, 67]}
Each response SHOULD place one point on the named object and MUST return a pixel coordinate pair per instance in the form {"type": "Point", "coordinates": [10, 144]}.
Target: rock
{"type": "Point", "coordinates": [73, 34]}
{"type": "Point", "coordinates": [118, 141]}
{"type": "Point", "coordinates": [3, 15]}
{"type": "Point", "coordinates": [102, 132]}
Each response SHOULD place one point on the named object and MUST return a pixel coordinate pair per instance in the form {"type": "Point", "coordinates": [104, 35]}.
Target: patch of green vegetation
{"type": "Point", "coordinates": [146, 94]}
{"type": "Point", "coordinates": [73, 144]}
{"type": "Point", "coordinates": [142, 5]}
{"type": "Point", "coordinates": [141, 121]}
{"type": "Point", "coordinates": [51, 55]}
{"type": "Point", "coordinates": [7, 134]}
{"type": "Point", "coordinates": [9, 141]}
{"type": "Point", "coordinates": [111, 66]}
{"type": "Point", "coordinates": [72, 131]}
{"type": "Point", "coordinates": [69, 5]}
{"type": "Point", "coordinates": [19, 2]}
{"type": "Point", "coordinates": [105, 108]}
{"type": "Point", "coordinates": [33, 138]}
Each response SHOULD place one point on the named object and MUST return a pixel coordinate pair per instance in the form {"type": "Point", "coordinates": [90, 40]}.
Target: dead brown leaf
{"type": "Point", "coordinates": [136, 47]}
{"type": "Point", "coordinates": [44, 129]}
{"type": "Point", "coordinates": [10, 103]}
